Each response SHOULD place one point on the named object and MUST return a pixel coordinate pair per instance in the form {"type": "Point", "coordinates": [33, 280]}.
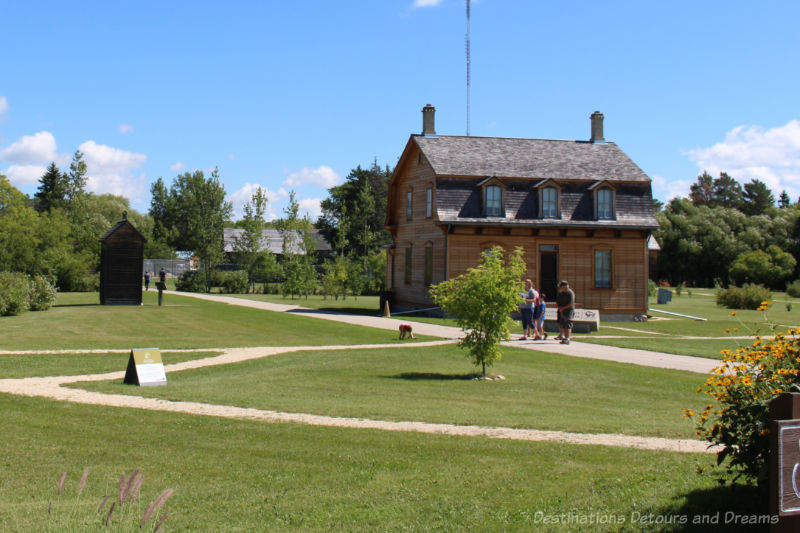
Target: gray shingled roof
{"type": "Point", "coordinates": [272, 240]}
{"type": "Point", "coordinates": [528, 158]}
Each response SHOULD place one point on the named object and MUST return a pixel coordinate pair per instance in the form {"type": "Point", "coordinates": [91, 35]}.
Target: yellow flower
{"type": "Point", "coordinates": [733, 313]}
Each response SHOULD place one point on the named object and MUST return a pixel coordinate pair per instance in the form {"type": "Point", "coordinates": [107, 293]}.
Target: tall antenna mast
{"type": "Point", "coordinates": [467, 68]}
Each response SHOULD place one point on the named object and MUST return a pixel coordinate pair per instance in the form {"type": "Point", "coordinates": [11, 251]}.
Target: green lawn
{"type": "Point", "coordinates": [79, 322]}
{"type": "Point", "coordinates": [542, 391]}
{"type": "Point", "coordinates": [701, 304]}
{"type": "Point", "coordinates": [240, 475]}
{"type": "Point", "coordinates": [236, 475]}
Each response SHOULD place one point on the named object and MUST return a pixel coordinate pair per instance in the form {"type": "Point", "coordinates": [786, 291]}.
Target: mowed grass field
{"type": "Point", "coordinates": [662, 333]}
{"type": "Point", "coordinates": [239, 475]}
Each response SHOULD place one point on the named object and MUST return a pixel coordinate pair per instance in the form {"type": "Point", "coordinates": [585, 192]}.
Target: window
{"type": "Point", "coordinates": [428, 202]}
{"type": "Point", "coordinates": [407, 274]}
{"type": "Point", "coordinates": [602, 269]}
{"type": "Point", "coordinates": [428, 264]}
{"type": "Point", "coordinates": [494, 202]}
{"type": "Point", "coordinates": [408, 205]}
{"type": "Point", "coordinates": [549, 202]}
{"type": "Point", "coordinates": [605, 204]}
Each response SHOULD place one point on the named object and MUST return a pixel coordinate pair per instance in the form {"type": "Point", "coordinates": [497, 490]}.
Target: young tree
{"type": "Point", "coordinates": [783, 200]}
{"type": "Point", "coordinates": [482, 300]}
{"type": "Point", "coordinates": [75, 182]}
{"type": "Point", "coordinates": [249, 246]}
{"type": "Point", "coordinates": [300, 276]}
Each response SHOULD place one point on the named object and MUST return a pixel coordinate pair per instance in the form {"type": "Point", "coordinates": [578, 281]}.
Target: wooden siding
{"type": "Point", "coordinates": [418, 233]}
{"type": "Point", "coordinates": [575, 264]}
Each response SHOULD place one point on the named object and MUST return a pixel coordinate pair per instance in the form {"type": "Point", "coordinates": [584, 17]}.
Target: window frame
{"type": "Point", "coordinates": [598, 268]}
{"type": "Point", "coordinates": [409, 204]}
{"type": "Point", "coordinates": [429, 202]}
{"type": "Point", "coordinates": [612, 212]}
{"type": "Point", "coordinates": [497, 203]}
{"type": "Point", "coordinates": [555, 203]}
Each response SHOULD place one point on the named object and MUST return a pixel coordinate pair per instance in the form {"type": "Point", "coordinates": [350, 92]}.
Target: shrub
{"type": "Point", "coordinates": [652, 288]}
{"type": "Point", "coordinates": [749, 296]}
{"type": "Point", "coordinates": [191, 281]}
{"type": "Point", "coordinates": [14, 289]}
{"type": "Point", "coordinates": [742, 386]}
{"type": "Point", "coordinates": [793, 289]}
{"type": "Point", "coordinates": [235, 282]}
{"type": "Point", "coordinates": [42, 294]}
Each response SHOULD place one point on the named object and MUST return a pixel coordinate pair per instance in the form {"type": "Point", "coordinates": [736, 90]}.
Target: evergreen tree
{"type": "Point", "coordinates": [783, 200]}
{"type": "Point", "coordinates": [757, 198]}
{"type": "Point", "coordinates": [52, 189]}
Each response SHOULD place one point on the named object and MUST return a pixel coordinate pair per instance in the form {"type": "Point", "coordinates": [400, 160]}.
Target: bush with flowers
{"type": "Point", "coordinates": [742, 387]}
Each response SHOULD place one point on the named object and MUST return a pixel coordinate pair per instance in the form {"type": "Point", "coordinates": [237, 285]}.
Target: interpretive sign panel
{"type": "Point", "coordinates": [145, 368]}
{"type": "Point", "coordinates": [789, 466]}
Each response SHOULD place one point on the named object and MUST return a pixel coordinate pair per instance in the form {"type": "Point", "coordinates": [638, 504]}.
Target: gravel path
{"type": "Point", "coordinates": [52, 388]}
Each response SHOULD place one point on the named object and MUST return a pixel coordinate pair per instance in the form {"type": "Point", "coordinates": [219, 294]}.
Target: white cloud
{"type": "Point", "coordinates": [427, 3]}
{"type": "Point", "coordinates": [3, 106]}
{"type": "Point", "coordinates": [111, 170]}
{"type": "Point", "coordinates": [39, 149]}
{"type": "Point", "coordinates": [751, 152]}
{"type": "Point", "coordinates": [177, 167]}
{"type": "Point", "coordinates": [323, 176]}
{"type": "Point", "coordinates": [22, 175]}
{"type": "Point", "coordinates": [665, 190]}
{"type": "Point", "coordinates": [275, 200]}
{"type": "Point", "coordinates": [125, 128]}
{"type": "Point", "coordinates": [310, 207]}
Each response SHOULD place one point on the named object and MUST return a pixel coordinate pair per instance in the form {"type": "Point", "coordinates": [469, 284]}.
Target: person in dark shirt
{"type": "Point", "coordinates": [147, 280]}
{"type": "Point", "coordinates": [565, 300]}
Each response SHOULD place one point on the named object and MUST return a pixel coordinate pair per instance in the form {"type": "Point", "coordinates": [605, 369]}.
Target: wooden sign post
{"type": "Point", "coordinates": [784, 462]}
{"type": "Point", "coordinates": [145, 368]}
{"type": "Point", "coordinates": [161, 286]}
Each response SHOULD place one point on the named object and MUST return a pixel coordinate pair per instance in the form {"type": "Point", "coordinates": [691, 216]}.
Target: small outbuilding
{"type": "Point", "coordinates": [121, 260]}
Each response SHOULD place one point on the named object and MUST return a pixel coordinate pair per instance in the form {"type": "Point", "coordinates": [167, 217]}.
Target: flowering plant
{"type": "Point", "coordinates": [742, 387]}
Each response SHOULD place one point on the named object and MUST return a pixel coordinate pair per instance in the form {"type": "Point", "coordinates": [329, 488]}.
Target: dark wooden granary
{"type": "Point", "coordinates": [121, 259]}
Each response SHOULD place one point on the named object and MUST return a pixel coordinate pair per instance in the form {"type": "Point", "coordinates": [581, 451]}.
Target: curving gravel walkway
{"type": "Point", "coordinates": [53, 388]}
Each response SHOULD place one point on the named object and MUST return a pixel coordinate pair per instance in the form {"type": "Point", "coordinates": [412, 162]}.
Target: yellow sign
{"type": "Point", "coordinates": [145, 368]}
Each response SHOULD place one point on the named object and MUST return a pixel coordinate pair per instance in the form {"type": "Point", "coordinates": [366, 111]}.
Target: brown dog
{"type": "Point", "coordinates": [405, 329]}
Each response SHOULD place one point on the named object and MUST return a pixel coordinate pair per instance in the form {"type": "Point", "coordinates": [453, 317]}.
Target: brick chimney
{"type": "Point", "coordinates": [428, 113]}
{"type": "Point", "coordinates": [597, 128]}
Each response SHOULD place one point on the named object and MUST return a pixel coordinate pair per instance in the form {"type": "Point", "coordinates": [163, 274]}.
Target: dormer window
{"type": "Point", "coordinates": [549, 202]}
{"type": "Point", "coordinates": [492, 190]}
{"type": "Point", "coordinates": [494, 201]}
{"type": "Point", "coordinates": [603, 201]}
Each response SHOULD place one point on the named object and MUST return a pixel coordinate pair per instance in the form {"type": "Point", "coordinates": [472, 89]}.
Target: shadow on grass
{"type": "Point", "coordinates": [432, 376]}
{"type": "Point", "coordinates": [76, 305]}
{"type": "Point", "coordinates": [726, 508]}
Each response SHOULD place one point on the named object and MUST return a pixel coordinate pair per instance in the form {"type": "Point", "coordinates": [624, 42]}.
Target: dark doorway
{"type": "Point", "coordinates": [548, 281]}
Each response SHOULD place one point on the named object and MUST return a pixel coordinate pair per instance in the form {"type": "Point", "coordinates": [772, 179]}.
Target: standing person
{"type": "Point", "coordinates": [147, 280]}
{"type": "Point", "coordinates": [526, 309]}
{"type": "Point", "coordinates": [565, 300]}
{"type": "Point", "coordinates": [162, 275]}
{"type": "Point", "coordinates": [539, 322]}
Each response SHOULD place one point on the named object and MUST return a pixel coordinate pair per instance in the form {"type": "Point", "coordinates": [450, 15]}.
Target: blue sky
{"type": "Point", "coordinates": [292, 95]}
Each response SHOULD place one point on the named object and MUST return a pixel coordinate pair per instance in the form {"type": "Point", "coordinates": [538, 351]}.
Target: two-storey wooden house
{"type": "Point", "coordinates": [581, 210]}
